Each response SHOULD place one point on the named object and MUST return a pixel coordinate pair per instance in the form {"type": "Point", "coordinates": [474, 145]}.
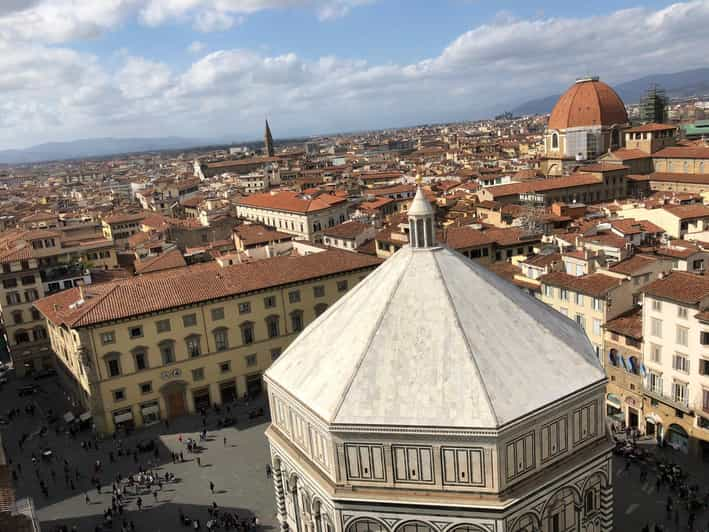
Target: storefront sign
{"type": "Point", "coordinates": [170, 374]}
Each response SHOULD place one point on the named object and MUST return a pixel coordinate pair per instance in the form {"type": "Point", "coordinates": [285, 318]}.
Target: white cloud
{"type": "Point", "coordinates": [196, 47]}
{"type": "Point", "coordinates": [55, 92]}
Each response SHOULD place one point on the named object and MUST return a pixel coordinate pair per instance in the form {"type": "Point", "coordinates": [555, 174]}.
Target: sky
{"type": "Point", "coordinates": [214, 69]}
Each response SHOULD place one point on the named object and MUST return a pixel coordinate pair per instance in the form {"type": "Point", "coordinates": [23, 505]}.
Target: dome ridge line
{"type": "Point", "coordinates": [317, 323]}
{"type": "Point", "coordinates": [449, 299]}
{"type": "Point", "coordinates": [534, 301]}
{"type": "Point", "coordinates": [372, 333]}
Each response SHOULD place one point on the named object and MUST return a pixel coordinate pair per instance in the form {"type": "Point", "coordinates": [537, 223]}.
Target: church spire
{"type": "Point", "coordinates": [268, 141]}
{"type": "Point", "coordinates": [421, 219]}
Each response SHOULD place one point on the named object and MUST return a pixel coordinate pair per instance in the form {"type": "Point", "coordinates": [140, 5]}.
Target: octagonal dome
{"type": "Point", "coordinates": [588, 102]}
{"type": "Point", "coordinates": [433, 339]}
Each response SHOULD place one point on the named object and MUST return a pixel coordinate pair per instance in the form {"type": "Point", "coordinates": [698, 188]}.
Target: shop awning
{"type": "Point", "coordinates": [614, 400]}
{"type": "Point", "coordinates": [150, 409]}
{"type": "Point", "coordinates": [121, 418]}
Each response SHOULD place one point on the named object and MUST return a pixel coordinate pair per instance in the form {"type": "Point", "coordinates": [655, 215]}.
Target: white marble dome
{"type": "Point", "coordinates": [432, 339]}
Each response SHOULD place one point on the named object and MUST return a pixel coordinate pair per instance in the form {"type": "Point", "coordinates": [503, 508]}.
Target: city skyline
{"type": "Point", "coordinates": [211, 69]}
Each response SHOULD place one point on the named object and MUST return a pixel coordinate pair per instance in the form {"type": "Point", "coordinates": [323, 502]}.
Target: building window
{"type": "Point", "coordinates": [581, 321]}
{"type": "Point", "coordinates": [225, 367]}
{"type": "Point", "coordinates": [319, 291]}
{"type": "Point", "coordinates": [135, 332]}
{"type": "Point", "coordinates": [17, 317]}
{"type": "Point", "coordinates": [198, 374]}
{"type": "Point", "coordinates": [703, 366]}
{"type": "Point", "coordinates": [31, 295]}
{"type": "Point", "coordinates": [548, 291]}
{"type": "Point", "coordinates": [680, 362]}
{"type": "Point", "coordinates": [22, 337]}
{"type": "Point", "coordinates": [342, 286]}
{"type": "Point", "coordinates": [193, 346]}
{"type": "Point", "coordinates": [119, 395]}
{"type": "Point", "coordinates": [217, 314]}
{"type": "Point", "coordinates": [114, 367]}
{"type": "Point", "coordinates": [250, 360]}
{"type": "Point", "coordinates": [680, 392]}
{"type": "Point", "coordinates": [245, 307]}
{"type": "Point", "coordinates": [146, 388]}
{"type": "Point", "coordinates": [269, 302]}
{"type": "Point", "coordinates": [656, 353]}
{"type": "Point", "coordinates": [682, 335]}
{"type": "Point", "coordinates": [554, 141]}
{"type": "Point", "coordinates": [596, 327]}
{"type": "Point", "coordinates": [296, 320]}
{"type": "Point", "coordinates": [294, 296]}
{"type": "Point", "coordinates": [247, 332]}
{"type": "Point", "coordinates": [13, 298]}
{"type": "Point", "coordinates": [141, 360]}
{"type": "Point", "coordinates": [9, 283]}
{"type": "Point", "coordinates": [320, 308]}
{"type": "Point", "coordinates": [272, 326]}
{"type": "Point", "coordinates": [579, 298]}
{"type": "Point", "coordinates": [656, 305]}
{"type": "Point", "coordinates": [563, 294]}
{"type": "Point", "coordinates": [221, 339]}
{"type": "Point", "coordinates": [167, 351]}
{"type": "Point", "coordinates": [36, 314]}
{"type": "Point", "coordinates": [27, 279]}
{"type": "Point", "coordinates": [275, 353]}
{"type": "Point", "coordinates": [656, 327]}
{"type": "Point", "coordinates": [162, 326]}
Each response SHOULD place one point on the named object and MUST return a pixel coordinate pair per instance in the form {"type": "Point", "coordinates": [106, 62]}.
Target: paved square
{"type": "Point", "coordinates": [237, 470]}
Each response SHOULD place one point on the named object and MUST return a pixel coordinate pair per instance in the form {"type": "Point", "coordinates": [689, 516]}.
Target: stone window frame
{"type": "Point", "coordinates": [122, 392]}
{"type": "Point", "coordinates": [273, 325]}
{"type": "Point", "coordinates": [165, 343]}
{"type": "Point", "coordinates": [294, 296]}
{"type": "Point", "coordinates": [319, 290]}
{"type": "Point", "coordinates": [108, 334]}
{"type": "Point", "coordinates": [251, 360]}
{"type": "Point", "coordinates": [142, 390]}
{"type": "Point", "coordinates": [108, 358]}
{"type": "Point", "coordinates": [221, 330]}
{"type": "Point", "coordinates": [160, 328]}
{"type": "Point", "coordinates": [244, 326]}
{"type": "Point", "coordinates": [190, 350]}
{"type": "Point", "coordinates": [342, 285]}
{"type": "Point", "coordinates": [225, 366]}
{"type": "Point", "coordinates": [299, 313]}
{"type": "Point", "coordinates": [189, 320]}
{"type": "Point", "coordinates": [140, 350]}
{"type": "Point", "coordinates": [132, 328]}
{"type": "Point", "coordinates": [217, 314]}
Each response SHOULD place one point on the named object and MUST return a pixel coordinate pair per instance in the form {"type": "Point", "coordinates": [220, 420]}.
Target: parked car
{"type": "Point", "coordinates": [45, 373]}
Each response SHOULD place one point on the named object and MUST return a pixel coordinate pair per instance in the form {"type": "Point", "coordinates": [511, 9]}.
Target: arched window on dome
{"type": "Point", "coordinates": [554, 141]}
{"type": "Point", "coordinates": [615, 138]}
{"type": "Point", "coordinates": [365, 525]}
{"type": "Point", "coordinates": [415, 526]}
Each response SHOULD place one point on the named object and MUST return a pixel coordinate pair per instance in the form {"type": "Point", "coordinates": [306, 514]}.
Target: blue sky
{"type": "Point", "coordinates": [214, 68]}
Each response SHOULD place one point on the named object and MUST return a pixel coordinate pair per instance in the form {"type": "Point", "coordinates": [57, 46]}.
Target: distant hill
{"type": "Point", "coordinates": [679, 84]}
{"type": "Point", "coordinates": [86, 148]}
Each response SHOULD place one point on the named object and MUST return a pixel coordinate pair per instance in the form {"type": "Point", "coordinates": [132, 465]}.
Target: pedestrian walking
{"type": "Point", "coordinates": [139, 502]}
{"type": "Point", "coordinates": [224, 441]}
{"type": "Point", "coordinates": [182, 458]}
{"type": "Point", "coordinates": [199, 463]}
{"type": "Point", "coordinates": [86, 498]}
{"type": "Point", "coordinates": [155, 495]}
{"type": "Point", "coordinates": [211, 486]}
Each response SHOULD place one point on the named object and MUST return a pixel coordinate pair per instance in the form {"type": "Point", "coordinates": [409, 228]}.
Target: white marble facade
{"type": "Point", "coordinates": [412, 407]}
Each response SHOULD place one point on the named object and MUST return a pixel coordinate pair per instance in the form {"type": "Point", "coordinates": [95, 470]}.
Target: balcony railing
{"type": "Point", "coordinates": [683, 406]}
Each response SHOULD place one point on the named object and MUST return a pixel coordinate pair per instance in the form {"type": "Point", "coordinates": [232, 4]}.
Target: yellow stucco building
{"type": "Point", "coordinates": [157, 346]}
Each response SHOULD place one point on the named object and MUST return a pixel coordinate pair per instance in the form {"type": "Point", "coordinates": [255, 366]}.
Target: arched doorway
{"type": "Point", "coordinates": [678, 438]}
{"type": "Point", "coordinates": [561, 513]}
{"type": "Point", "coordinates": [175, 400]}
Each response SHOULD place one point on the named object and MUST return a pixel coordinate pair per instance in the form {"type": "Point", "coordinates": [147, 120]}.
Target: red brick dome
{"type": "Point", "coordinates": [588, 102]}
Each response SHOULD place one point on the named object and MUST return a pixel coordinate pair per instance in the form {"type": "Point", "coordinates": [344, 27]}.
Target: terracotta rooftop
{"type": "Point", "coordinates": [627, 154]}
{"type": "Point", "coordinates": [633, 264]}
{"type": "Point", "coordinates": [678, 249]}
{"type": "Point", "coordinates": [629, 324]}
{"type": "Point", "coordinates": [163, 261]}
{"type": "Point", "coordinates": [543, 185]}
{"type": "Point", "coordinates": [124, 218]}
{"type": "Point", "coordinates": [186, 286]}
{"type": "Point", "coordinates": [687, 212]}
{"type": "Point", "coordinates": [648, 128]}
{"type": "Point", "coordinates": [629, 226]}
{"type": "Point", "coordinates": [682, 152]}
{"type": "Point", "coordinates": [543, 261]}
{"type": "Point", "coordinates": [602, 168]}
{"type": "Point", "coordinates": [252, 234]}
{"type": "Point", "coordinates": [682, 287]}
{"type": "Point", "coordinates": [668, 177]}
{"type": "Point", "coordinates": [291, 202]}
{"type": "Point", "coordinates": [588, 103]}
{"type": "Point", "coordinates": [466, 237]}
{"type": "Point", "coordinates": [594, 284]}
{"type": "Point", "coordinates": [348, 230]}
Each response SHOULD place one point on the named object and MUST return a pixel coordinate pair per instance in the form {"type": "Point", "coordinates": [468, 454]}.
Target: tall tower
{"type": "Point", "coordinates": [268, 141]}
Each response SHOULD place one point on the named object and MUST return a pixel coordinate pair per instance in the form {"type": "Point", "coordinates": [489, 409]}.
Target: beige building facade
{"type": "Point", "coordinates": [199, 336]}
